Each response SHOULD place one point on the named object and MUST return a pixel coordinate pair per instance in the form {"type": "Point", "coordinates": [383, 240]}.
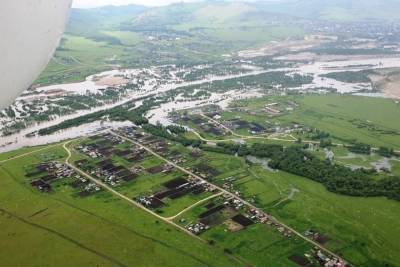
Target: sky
{"type": "Point", "coordinates": [97, 3]}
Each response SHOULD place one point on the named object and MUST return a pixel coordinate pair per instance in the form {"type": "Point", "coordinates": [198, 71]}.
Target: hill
{"type": "Point", "coordinates": [338, 10]}
{"type": "Point", "coordinates": [90, 22]}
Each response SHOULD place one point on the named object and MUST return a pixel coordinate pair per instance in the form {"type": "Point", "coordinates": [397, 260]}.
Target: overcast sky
{"type": "Point", "coordinates": [97, 3]}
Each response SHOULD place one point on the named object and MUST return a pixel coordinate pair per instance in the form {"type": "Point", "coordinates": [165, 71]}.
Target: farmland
{"type": "Point", "coordinates": [158, 202]}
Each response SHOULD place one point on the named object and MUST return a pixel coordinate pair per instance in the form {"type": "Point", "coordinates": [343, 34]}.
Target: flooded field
{"type": "Point", "coordinates": [158, 80]}
{"type": "Point", "coordinates": [320, 68]}
{"type": "Point", "coordinates": [153, 86]}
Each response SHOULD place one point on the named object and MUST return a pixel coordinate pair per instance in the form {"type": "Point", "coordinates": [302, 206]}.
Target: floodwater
{"type": "Point", "coordinates": [318, 68]}
{"type": "Point", "coordinates": [382, 165]}
{"type": "Point", "coordinates": [160, 114]}
{"type": "Point", "coordinates": [89, 85]}
{"type": "Point", "coordinates": [20, 141]}
{"type": "Point", "coordinates": [155, 84]}
{"type": "Point", "coordinates": [151, 87]}
{"type": "Point", "coordinates": [262, 162]}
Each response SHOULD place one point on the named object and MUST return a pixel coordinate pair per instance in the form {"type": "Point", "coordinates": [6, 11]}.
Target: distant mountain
{"type": "Point", "coordinates": [225, 14]}
{"type": "Point", "coordinates": [207, 12]}
{"type": "Point", "coordinates": [85, 22]}
{"type": "Point", "coordinates": [204, 13]}
{"type": "Point", "coordinates": [233, 23]}
{"type": "Point", "coordinates": [205, 31]}
{"type": "Point", "coordinates": [208, 30]}
{"type": "Point", "coordinates": [337, 10]}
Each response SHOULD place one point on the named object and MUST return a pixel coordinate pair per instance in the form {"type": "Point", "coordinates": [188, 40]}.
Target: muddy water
{"type": "Point", "coordinates": [89, 85]}
{"type": "Point", "coordinates": [160, 114]}
{"type": "Point", "coordinates": [316, 69]}
{"type": "Point", "coordinates": [151, 87]}
{"type": "Point", "coordinates": [74, 132]}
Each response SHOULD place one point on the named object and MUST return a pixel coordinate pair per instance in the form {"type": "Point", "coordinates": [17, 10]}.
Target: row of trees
{"type": "Point", "coordinates": [125, 112]}
{"type": "Point", "coordinates": [360, 148]}
{"type": "Point", "coordinates": [335, 178]}
{"type": "Point", "coordinates": [161, 131]}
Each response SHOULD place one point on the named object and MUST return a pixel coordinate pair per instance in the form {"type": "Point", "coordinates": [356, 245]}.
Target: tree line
{"type": "Point", "coordinates": [336, 178]}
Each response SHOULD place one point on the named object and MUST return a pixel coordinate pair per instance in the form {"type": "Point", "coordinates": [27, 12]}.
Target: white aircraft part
{"type": "Point", "coordinates": [30, 31]}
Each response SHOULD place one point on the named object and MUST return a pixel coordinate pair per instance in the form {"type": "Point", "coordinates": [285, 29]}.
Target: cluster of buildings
{"type": "Point", "coordinates": [102, 147]}
{"type": "Point", "coordinates": [156, 144]}
{"type": "Point", "coordinates": [328, 261]}
{"type": "Point", "coordinates": [52, 171]}
{"type": "Point", "coordinates": [197, 228]}
{"type": "Point", "coordinates": [90, 151]}
{"type": "Point", "coordinates": [253, 214]}
{"type": "Point", "coordinates": [228, 185]}
{"type": "Point", "coordinates": [55, 171]}
{"type": "Point", "coordinates": [112, 174]}
{"type": "Point", "coordinates": [175, 189]}
{"type": "Point", "coordinates": [254, 128]}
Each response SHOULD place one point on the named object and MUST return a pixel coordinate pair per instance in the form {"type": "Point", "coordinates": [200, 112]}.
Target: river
{"type": "Point", "coordinates": [157, 85]}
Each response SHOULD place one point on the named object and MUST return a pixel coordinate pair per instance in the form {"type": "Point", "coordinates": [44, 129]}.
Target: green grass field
{"type": "Point", "coordinates": [260, 243]}
{"type": "Point", "coordinates": [79, 58]}
{"type": "Point", "coordinates": [46, 229]}
{"type": "Point", "coordinates": [127, 38]}
{"type": "Point", "coordinates": [113, 233]}
{"type": "Point", "coordinates": [351, 117]}
{"type": "Point", "coordinates": [346, 118]}
{"type": "Point", "coordinates": [257, 244]}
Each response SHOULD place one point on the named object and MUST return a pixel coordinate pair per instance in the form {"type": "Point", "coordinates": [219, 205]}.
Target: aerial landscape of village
{"type": "Point", "coordinates": [209, 133]}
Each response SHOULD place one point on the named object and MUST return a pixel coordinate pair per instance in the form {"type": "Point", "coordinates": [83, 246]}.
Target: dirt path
{"type": "Point", "coordinates": [194, 205]}
{"type": "Point", "coordinates": [28, 153]}
{"type": "Point", "coordinates": [245, 137]}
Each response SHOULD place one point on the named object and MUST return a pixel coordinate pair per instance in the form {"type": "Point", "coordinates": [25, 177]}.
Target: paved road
{"type": "Point", "coordinates": [227, 193]}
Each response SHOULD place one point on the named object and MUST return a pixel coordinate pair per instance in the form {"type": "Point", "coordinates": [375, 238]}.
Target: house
{"type": "Point", "coordinates": [217, 117]}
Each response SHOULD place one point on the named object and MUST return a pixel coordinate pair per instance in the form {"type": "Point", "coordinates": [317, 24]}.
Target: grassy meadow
{"type": "Point", "coordinates": [351, 118]}
{"type": "Point", "coordinates": [100, 230]}
{"type": "Point", "coordinates": [346, 118]}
